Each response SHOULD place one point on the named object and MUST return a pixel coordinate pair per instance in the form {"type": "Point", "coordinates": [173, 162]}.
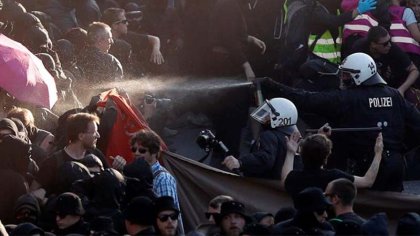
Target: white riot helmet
{"type": "Point", "coordinates": [362, 69]}
{"type": "Point", "coordinates": [280, 112]}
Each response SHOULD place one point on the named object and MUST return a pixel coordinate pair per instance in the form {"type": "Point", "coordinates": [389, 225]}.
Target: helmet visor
{"type": "Point", "coordinates": [262, 114]}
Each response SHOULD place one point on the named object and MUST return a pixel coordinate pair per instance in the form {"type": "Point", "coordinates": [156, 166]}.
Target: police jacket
{"type": "Point", "coordinates": [361, 106]}
{"type": "Point", "coordinates": [267, 155]}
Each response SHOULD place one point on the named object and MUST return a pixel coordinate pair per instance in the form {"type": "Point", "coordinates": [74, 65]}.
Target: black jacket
{"type": "Point", "coordinates": [361, 106]}
{"type": "Point", "coordinates": [267, 156]}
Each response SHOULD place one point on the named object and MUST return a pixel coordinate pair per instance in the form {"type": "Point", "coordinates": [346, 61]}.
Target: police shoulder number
{"type": "Point", "coordinates": [380, 102]}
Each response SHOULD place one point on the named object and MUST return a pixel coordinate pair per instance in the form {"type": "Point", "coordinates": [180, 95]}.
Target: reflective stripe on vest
{"type": "Point", "coordinates": [360, 25]}
{"type": "Point", "coordinates": [364, 28]}
{"type": "Point", "coordinates": [326, 47]}
{"type": "Point", "coordinates": [396, 39]}
{"type": "Point", "coordinates": [400, 35]}
{"type": "Point", "coordinates": [322, 41]}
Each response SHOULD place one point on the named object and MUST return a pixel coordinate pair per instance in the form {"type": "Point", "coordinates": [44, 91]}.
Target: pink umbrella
{"type": "Point", "coordinates": [24, 76]}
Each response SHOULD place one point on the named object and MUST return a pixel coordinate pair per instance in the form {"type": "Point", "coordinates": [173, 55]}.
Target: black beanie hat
{"type": "Point", "coordinates": [140, 211]}
{"type": "Point", "coordinates": [7, 123]}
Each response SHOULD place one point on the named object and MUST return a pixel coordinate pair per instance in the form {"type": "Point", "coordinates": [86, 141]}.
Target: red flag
{"type": "Point", "coordinates": [129, 120]}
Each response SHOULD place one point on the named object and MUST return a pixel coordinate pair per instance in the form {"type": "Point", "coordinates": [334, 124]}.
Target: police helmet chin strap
{"type": "Point", "coordinates": [273, 110]}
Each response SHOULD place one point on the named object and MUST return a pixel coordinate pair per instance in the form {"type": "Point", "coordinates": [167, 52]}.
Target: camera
{"type": "Point", "coordinates": [161, 103]}
{"type": "Point", "coordinates": [207, 141]}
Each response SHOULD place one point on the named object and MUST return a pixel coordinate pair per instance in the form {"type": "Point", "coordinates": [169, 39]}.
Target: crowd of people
{"type": "Point", "coordinates": [57, 179]}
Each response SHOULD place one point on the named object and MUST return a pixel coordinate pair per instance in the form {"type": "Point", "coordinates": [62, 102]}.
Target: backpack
{"type": "Point", "coordinates": [292, 23]}
{"type": "Point", "coordinates": [291, 30]}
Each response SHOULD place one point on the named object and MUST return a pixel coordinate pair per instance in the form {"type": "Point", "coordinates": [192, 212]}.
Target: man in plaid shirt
{"type": "Point", "coordinates": [146, 145]}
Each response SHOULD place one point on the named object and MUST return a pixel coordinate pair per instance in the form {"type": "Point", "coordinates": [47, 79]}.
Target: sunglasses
{"type": "Point", "coordinates": [121, 21]}
{"type": "Point", "coordinates": [164, 218]}
{"type": "Point", "coordinates": [385, 43]}
{"type": "Point", "coordinates": [209, 214]}
{"type": "Point", "coordinates": [140, 150]}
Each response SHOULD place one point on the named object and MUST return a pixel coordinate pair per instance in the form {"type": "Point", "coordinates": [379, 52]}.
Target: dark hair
{"type": "Point", "coordinates": [148, 139]}
{"type": "Point", "coordinates": [78, 37]}
{"type": "Point", "coordinates": [382, 14]}
{"type": "Point", "coordinates": [110, 15]}
{"type": "Point", "coordinates": [315, 149]}
{"type": "Point", "coordinates": [217, 201]}
{"type": "Point", "coordinates": [375, 33]}
{"type": "Point", "coordinates": [345, 190]}
{"type": "Point", "coordinates": [78, 123]}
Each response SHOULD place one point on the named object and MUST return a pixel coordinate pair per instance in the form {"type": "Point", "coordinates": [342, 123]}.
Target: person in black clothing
{"type": "Point", "coordinates": [117, 20]}
{"type": "Point", "coordinates": [232, 218]}
{"type": "Point", "coordinates": [229, 39]}
{"type": "Point", "coordinates": [269, 152]}
{"type": "Point", "coordinates": [315, 150]}
{"type": "Point", "coordinates": [342, 193]}
{"type": "Point", "coordinates": [82, 135]}
{"type": "Point", "coordinates": [37, 136]}
{"type": "Point", "coordinates": [393, 64]}
{"type": "Point", "coordinates": [368, 102]}
{"type": "Point", "coordinates": [311, 216]}
{"type": "Point", "coordinates": [139, 216]}
{"type": "Point", "coordinates": [167, 214]}
{"type": "Point", "coordinates": [69, 212]}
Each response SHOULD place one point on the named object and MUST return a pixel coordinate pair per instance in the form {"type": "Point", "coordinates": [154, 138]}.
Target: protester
{"type": "Point", "coordinates": [26, 229]}
{"type": "Point", "coordinates": [213, 209]}
{"type": "Point", "coordinates": [97, 64]}
{"type": "Point", "coordinates": [69, 212]}
{"type": "Point", "coordinates": [82, 134]}
{"type": "Point", "coordinates": [311, 216]}
{"type": "Point", "coordinates": [116, 19]}
{"type": "Point", "coordinates": [315, 150]}
{"type": "Point", "coordinates": [394, 65]}
{"type": "Point", "coordinates": [167, 215]}
{"type": "Point", "coordinates": [229, 41]}
{"type": "Point", "coordinates": [139, 218]}
{"type": "Point", "coordinates": [232, 218]}
{"type": "Point", "coordinates": [146, 145]}
{"type": "Point", "coordinates": [27, 209]}
{"type": "Point", "coordinates": [139, 180]}
{"type": "Point", "coordinates": [264, 218]}
{"type": "Point", "coordinates": [214, 206]}
{"type": "Point", "coordinates": [38, 137]}
{"type": "Point", "coordinates": [342, 194]}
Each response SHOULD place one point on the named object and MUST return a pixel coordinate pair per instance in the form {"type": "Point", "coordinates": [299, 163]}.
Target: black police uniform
{"type": "Point", "coordinates": [267, 155]}
{"type": "Point", "coordinates": [363, 106]}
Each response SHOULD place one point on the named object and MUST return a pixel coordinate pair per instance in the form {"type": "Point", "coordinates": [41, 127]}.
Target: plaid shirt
{"type": "Point", "coordinates": [164, 184]}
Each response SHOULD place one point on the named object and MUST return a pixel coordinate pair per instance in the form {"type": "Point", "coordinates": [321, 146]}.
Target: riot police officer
{"type": "Point", "coordinates": [268, 153]}
{"type": "Point", "coordinates": [366, 101]}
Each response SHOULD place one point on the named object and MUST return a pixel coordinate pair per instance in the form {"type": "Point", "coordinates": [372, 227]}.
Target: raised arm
{"type": "Point", "coordinates": [156, 56]}
{"type": "Point", "coordinates": [370, 176]}
{"type": "Point", "coordinates": [292, 146]}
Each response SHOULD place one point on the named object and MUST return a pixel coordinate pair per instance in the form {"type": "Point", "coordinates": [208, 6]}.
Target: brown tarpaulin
{"type": "Point", "coordinates": [198, 183]}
